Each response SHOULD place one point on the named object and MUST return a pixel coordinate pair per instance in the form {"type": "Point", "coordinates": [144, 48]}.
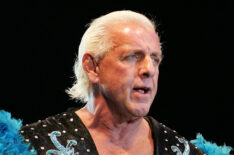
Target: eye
{"type": "Point", "coordinates": [134, 57]}
{"type": "Point", "coordinates": [156, 59]}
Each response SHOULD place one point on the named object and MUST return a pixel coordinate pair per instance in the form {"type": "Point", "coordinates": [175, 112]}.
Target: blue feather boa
{"type": "Point", "coordinates": [211, 148]}
{"type": "Point", "coordinates": [11, 141]}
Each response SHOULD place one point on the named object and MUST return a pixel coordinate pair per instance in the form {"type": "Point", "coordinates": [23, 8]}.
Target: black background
{"type": "Point", "coordinates": [195, 91]}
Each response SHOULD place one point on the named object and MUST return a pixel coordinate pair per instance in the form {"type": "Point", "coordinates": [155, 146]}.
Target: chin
{"type": "Point", "coordinates": [140, 112]}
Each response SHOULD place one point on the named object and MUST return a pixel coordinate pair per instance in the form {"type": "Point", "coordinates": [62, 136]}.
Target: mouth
{"type": "Point", "coordinates": [142, 90]}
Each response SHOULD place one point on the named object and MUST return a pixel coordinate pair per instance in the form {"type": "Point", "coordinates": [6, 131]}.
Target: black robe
{"type": "Point", "coordinates": [66, 134]}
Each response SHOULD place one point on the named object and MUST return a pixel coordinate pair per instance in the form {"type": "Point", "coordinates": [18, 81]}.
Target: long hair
{"type": "Point", "coordinates": [97, 41]}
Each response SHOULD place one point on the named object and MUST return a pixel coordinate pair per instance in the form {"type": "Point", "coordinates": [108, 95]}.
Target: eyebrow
{"type": "Point", "coordinates": [157, 54]}
{"type": "Point", "coordinates": [139, 50]}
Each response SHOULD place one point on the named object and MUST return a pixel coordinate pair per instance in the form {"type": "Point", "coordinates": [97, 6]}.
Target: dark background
{"type": "Point", "coordinates": [195, 91]}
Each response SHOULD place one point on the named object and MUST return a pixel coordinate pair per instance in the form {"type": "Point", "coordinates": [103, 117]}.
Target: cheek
{"type": "Point", "coordinates": [156, 76]}
{"type": "Point", "coordinates": [155, 80]}
{"type": "Point", "coordinates": [123, 77]}
{"type": "Point", "coordinates": [116, 75]}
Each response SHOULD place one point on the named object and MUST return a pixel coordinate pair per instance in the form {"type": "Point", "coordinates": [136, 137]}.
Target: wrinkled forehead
{"type": "Point", "coordinates": [135, 35]}
{"type": "Point", "coordinates": [131, 28]}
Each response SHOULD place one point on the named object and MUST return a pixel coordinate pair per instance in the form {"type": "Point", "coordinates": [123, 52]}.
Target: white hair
{"type": "Point", "coordinates": [97, 41]}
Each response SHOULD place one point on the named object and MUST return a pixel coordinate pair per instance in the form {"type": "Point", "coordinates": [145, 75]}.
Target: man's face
{"type": "Point", "coordinates": [128, 74]}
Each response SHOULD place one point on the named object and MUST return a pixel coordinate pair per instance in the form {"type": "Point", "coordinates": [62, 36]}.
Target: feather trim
{"type": "Point", "coordinates": [11, 141]}
{"type": "Point", "coordinates": [211, 148]}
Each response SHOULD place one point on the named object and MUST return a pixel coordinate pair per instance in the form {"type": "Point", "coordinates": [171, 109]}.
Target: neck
{"type": "Point", "coordinates": [111, 124]}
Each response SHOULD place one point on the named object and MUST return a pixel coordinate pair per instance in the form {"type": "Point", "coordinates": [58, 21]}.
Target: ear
{"type": "Point", "coordinates": [91, 68]}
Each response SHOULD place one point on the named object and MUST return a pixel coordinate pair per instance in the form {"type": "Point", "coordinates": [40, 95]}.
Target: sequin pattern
{"type": "Point", "coordinates": [186, 145]}
{"type": "Point", "coordinates": [65, 134]}
{"type": "Point", "coordinates": [61, 149]}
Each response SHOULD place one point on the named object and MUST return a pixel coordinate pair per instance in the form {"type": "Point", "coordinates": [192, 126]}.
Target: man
{"type": "Point", "coordinates": [117, 74]}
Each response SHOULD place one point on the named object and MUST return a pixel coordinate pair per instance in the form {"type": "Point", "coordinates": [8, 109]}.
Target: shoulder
{"type": "Point", "coordinates": [169, 141]}
{"type": "Point", "coordinates": [58, 133]}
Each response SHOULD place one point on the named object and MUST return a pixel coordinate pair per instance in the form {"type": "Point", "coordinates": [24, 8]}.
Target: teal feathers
{"type": "Point", "coordinates": [11, 141]}
{"type": "Point", "coordinates": [211, 148]}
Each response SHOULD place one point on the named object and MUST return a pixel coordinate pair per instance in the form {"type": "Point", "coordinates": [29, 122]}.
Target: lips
{"type": "Point", "coordinates": [142, 90]}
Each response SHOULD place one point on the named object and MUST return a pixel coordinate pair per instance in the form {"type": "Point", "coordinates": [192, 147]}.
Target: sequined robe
{"type": "Point", "coordinates": [65, 134]}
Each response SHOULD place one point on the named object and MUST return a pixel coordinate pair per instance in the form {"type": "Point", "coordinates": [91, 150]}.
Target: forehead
{"type": "Point", "coordinates": [135, 36]}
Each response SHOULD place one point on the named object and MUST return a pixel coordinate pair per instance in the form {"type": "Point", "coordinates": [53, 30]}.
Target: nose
{"type": "Point", "coordinates": [147, 68]}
